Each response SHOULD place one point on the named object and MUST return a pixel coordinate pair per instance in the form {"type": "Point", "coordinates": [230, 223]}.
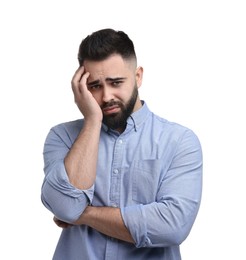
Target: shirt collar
{"type": "Point", "coordinates": [139, 116]}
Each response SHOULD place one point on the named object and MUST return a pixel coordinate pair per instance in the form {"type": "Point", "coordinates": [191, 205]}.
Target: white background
{"type": "Point", "coordinates": [194, 59]}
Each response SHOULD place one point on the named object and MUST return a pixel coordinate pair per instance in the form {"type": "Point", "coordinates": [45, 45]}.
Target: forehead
{"type": "Point", "coordinates": [113, 66]}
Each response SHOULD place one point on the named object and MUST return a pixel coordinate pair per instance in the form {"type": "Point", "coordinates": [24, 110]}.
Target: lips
{"type": "Point", "coordinates": [111, 109]}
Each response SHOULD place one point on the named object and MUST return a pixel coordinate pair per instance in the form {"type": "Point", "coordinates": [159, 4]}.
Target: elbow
{"type": "Point", "coordinates": [63, 206]}
{"type": "Point", "coordinates": [177, 237]}
{"type": "Point", "coordinates": [164, 237]}
{"type": "Point", "coordinates": [68, 215]}
{"type": "Point", "coordinates": [172, 238]}
{"type": "Point", "coordinates": [178, 234]}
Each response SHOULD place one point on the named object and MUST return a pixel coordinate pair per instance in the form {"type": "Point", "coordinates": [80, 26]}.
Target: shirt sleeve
{"type": "Point", "coordinates": [64, 200]}
{"type": "Point", "coordinates": [168, 220]}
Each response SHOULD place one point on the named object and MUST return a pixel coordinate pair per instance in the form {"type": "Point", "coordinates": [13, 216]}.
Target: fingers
{"type": "Point", "coordinates": [78, 74]}
{"type": "Point", "coordinates": [83, 80]}
{"type": "Point", "coordinates": [61, 223]}
{"type": "Point", "coordinates": [83, 98]}
{"type": "Point", "coordinates": [79, 81]}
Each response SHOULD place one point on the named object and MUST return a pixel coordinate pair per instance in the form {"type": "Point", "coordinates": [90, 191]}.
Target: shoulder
{"type": "Point", "coordinates": [68, 129]}
{"type": "Point", "coordinates": [70, 125]}
{"type": "Point", "coordinates": [172, 130]}
{"type": "Point", "coordinates": [166, 125]}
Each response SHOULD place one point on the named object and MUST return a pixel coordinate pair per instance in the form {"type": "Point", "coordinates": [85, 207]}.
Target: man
{"type": "Point", "coordinates": [123, 182]}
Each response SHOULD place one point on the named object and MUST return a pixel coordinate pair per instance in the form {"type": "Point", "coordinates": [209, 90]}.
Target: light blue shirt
{"type": "Point", "coordinates": [152, 172]}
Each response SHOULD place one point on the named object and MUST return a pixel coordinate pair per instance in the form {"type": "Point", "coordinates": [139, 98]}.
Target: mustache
{"type": "Point", "coordinates": [111, 103]}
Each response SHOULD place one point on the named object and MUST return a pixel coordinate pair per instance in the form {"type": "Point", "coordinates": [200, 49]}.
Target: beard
{"type": "Point", "coordinates": [118, 120]}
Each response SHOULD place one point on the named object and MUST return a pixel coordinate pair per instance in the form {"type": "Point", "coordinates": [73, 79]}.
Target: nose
{"type": "Point", "coordinates": [107, 94]}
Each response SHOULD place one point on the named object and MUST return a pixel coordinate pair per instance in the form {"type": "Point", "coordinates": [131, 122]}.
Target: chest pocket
{"type": "Point", "coordinates": [146, 176]}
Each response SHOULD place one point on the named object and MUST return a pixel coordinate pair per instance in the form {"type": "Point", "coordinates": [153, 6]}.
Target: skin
{"type": "Point", "coordinates": [94, 85]}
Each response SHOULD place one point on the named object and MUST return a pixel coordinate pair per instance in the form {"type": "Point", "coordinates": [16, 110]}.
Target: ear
{"type": "Point", "coordinates": [139, 76]}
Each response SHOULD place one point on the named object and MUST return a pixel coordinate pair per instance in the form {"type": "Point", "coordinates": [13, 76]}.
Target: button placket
{"type": "Point", "coordinates": [115, 176]}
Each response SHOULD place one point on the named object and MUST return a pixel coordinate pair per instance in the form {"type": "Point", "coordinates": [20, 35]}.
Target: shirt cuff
{"type": "Point", "coordinates": [59, 180]}
{"type": "Point", "coordinates": [61, 197]}
{"type": "Point", "coordinates": [138, 229]}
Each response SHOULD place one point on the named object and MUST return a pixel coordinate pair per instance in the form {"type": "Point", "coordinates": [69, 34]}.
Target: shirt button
{"type": "Point", "coordinates": [116, 171]}
{"type": "Point", "coordinates": [120, 141]}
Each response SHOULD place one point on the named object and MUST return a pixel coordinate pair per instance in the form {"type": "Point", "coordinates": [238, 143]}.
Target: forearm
{"type": "Point", "coordinates": [106, 220]}
{"type": "Point", "coordinates": [81, 161]}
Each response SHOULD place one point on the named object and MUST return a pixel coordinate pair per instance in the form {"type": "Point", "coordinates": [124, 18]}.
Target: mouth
{"type": "Point", "coordinates": [111, 110]}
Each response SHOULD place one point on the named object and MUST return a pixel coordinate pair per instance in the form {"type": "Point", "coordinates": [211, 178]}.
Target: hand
{"type": "Point", "coordinates": [86, 103]}
{"type": "Point", "coordinates": [61, 223]}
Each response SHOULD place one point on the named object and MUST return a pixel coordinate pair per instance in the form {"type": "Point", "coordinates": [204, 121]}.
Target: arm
{"type": "Point", "coordinates": [168, 220]}
{"type": "Point", "coordinates": [70, 157]}
{"type": "Point", "coordinates": [81, 160]}
{"type": "Point", "coordinates": [107, 220]}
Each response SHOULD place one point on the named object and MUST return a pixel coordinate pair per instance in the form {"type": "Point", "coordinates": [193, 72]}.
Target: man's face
{"type": "Point", "coordinates": [114, 84]}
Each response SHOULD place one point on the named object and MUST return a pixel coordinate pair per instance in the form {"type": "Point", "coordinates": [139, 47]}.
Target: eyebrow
{"type": "Point", "coordinates": [96, 82]}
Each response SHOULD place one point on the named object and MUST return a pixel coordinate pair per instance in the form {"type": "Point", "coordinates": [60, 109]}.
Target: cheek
{"type": "Point", "coordinates": [98, 97]}
{"type": "Point", "coordinates": [127, 93]}
{"type": "Point", "coordinates": [120, 95]}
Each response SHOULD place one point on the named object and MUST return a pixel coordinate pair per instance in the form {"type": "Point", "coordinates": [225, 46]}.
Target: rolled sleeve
{"type": "Point", "coordinates": [138, 229]}
{"type": "Point", "coordinates": [64, 200]}
{"type": "Point", "coordinates": [168, 220]}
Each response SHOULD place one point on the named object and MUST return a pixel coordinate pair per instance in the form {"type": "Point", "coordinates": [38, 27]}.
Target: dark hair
{"type": "Point", "coordinates": [103, 43]}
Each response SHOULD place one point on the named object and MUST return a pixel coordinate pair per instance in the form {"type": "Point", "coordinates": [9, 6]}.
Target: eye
{"type": "Point", "coordinates": [94, 87]}
{"type": "Point", "coordinates": [117, 83]}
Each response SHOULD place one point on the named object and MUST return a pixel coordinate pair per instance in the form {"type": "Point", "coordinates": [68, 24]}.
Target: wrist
{"type": "Point", "coordinates": [93, 121]}
{"type": "Point", "coordinates": [84, 217]}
